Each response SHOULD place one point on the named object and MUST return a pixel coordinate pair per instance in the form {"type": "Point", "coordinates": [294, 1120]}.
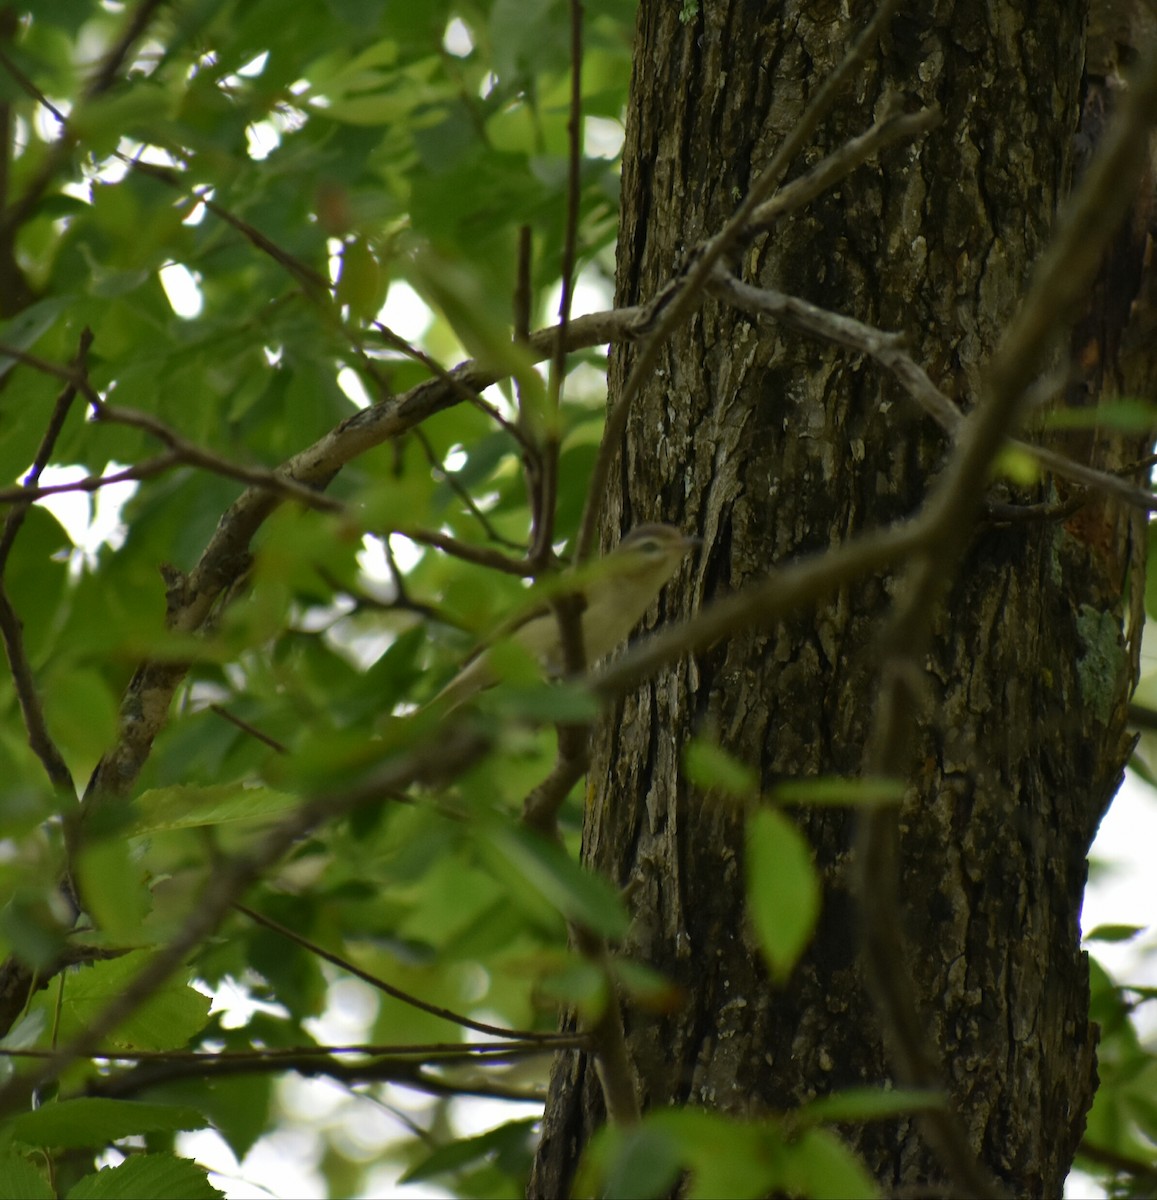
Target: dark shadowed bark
{"type": "Point", "coordinates": [770, 446]}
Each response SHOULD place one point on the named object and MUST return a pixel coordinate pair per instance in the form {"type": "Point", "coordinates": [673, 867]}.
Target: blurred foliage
{"type": "Point", "coordinates": [228, 211]}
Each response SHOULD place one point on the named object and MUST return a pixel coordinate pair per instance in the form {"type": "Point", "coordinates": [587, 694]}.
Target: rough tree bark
{"type": "Point", "coordinates": [769, 447]}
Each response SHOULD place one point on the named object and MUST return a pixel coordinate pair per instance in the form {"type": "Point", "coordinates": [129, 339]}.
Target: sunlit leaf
{"type": "Point", "coordinates": [783, 889]}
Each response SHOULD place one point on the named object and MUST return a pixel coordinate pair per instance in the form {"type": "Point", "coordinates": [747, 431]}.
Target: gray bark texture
{"type": "Point", "coordinates": [770, 446]}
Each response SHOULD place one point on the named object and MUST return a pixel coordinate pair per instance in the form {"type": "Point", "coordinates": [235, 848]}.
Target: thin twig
{"type": "Point", "coordinates": [483, 556]}
{"type": "Point", "coordinates": [389, 989]}
{"type": "Point", "coordinates": [452, 1052]}
{"type": "Point", "coordinates": [148, 469]}
{"type": "Point", "coordinates": [453, 483]}
{"type": "Point", "coordinates": [888, 350]}
{"type": "Point", "coordinates": [541, 547]}
{"type": "Point", "coordinates": [251, 730]}
{"type": "Point", "coordinates": [402, 1071]}
{"type": "Point", "coordinates": [427, 763]}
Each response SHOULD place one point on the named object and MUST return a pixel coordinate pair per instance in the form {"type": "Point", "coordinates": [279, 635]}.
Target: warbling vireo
{"type": "Point", "coordinates": [616, 595]}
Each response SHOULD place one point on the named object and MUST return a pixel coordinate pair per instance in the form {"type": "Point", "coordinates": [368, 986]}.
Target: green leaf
{"type": "Point", "coordinates": [361, 282]}
{"type": "Point", "coordinates": [820, 1166]}
{"type": "Point", "coordinates": [1017, 466]}
{"type": "Point", "coordinates": [1127, 414]}
{"type": "Point", "coordinates": [183, 807]}
{"type": "Point", "coordinates": [577, 893]}
{"type": "Point", "coordinates": [165, 1021]}
{"type": "Point", "coordinates": [147, 1177]}
{"type": "Point", "coordinates": [113, 886]}
{"type": "Point", "coordinates": [92, 1121]}
{"type": "Point", "coordinates": [515, 1137]}
{"type": "Point", "coordinates": [866, 1104]}
{"type": "Point", "coordinates": [26, 328]}
{"type": "Point", "coordinates": [644, 1161]}
{"type": "Point", "coordinates": [1114, 933]}
{"type": "Point", "coordinates": [783, 890]}
{"type": "Point", "coordinates": [21, 1180]}
{"type": "Point", "coordinates": [709, 766]}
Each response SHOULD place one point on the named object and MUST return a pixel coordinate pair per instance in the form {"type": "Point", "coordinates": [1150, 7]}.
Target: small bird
{"type": "Point", "coordinates": [616, 594]}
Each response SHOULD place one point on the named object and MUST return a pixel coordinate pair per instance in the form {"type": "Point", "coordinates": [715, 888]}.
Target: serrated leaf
{"type": "Point", "coordinates": [149, 1177]}
{"type": "Point", "coordinates": [95, 1120]}
{"type": "Point", "coordinates": [165, 1021]}
{"type": "Point", "coordinates": [187, 807]}
{"type": "Point", "coordinates": [113, 887]}
{"type": "Point", "coordinates": [20, 1179]}
{"type": "Point", "coordinates": [783, 890]}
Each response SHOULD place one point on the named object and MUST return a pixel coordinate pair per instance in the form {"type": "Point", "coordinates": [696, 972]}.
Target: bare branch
{"type": "Point", "coordinates": [389, 989]}
{"type": "Point", "coordinates": [888, 350]}
{"type": "Point", "coordinates": [11, 629]}
{"type": "Point", "coordinates": [429, 763]}
{"type": "Point", "coordinates": [403, 1071]}
{"type": "Point", "coordinates": [482, 556]}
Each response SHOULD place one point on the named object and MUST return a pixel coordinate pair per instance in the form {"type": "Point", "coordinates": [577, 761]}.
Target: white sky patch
{"type": "Point", "coordinates": [405, 312]}
{"type": "Point", "coordinates": [91, 520]}
{"type": "Point", "coordinates": [46, 125]}
{"type": "Point", "coordinates": [234, 1000]}
{"type": "Point", "coordinates": [262, 138]}
{"type": "Point", "coordinates": [254, 66]}
{"type": "Point", "coordinates": [457, 39]}
{"type": "Point", "coordinates": [350, 382]}
{"type": "Point", "coordinates": [333, 250]}
{"type": "Point", "coordinates": [500, 400]}
{"type": "Point", "coordinates": [602, 137]}
{"type": "Point", "coordinates": [592, 294]}
{"type": "Point", "coordinates": [183, 289]}
{"type": "Point", "coordinates": [349, 1014]}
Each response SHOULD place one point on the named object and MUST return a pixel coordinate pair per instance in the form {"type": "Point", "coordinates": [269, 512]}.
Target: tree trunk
{"type": "Point", "coordinates": [770, 447]}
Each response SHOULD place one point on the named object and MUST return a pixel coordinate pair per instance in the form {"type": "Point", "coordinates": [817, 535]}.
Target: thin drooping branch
{"type": "Point", "coordinates": [1053, 300]}
{"type": "Point", "coordinates": [11, 630]}
{"type": "Point", "coordinates": [429, 763]}
{"type": "Point", "coordinates": [181, 450]}
{"type": "Point", "coordinates": [389, 1069]}
{"type": "Point", "coordinates": [457, 1052]}
{"type": "Point", "coordinates": [376, 982]}
{"type": "Point", "coordinates": [888, 350]}
{"type": "Point", "coordinates": [148, 469]}
{"type": "Point", "coordinates": [146, 703]}
{"type": "Point", "coordinates": [545, 500]}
